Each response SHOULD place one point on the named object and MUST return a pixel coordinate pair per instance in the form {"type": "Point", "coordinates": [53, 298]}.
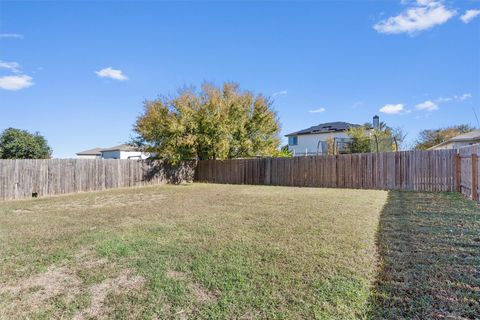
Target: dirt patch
{"type": "Point", "coordinates": [99, 292]}
{"type": "Point", "coordinates": [199, 292]}
{"type": "Point", "coordinates": [34, 291]}
{"type": "Point", "coordinates": [87, 259]}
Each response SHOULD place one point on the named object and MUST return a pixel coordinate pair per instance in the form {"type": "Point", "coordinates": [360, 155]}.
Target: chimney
{"type": "Point", "coordinates": [376, 122]}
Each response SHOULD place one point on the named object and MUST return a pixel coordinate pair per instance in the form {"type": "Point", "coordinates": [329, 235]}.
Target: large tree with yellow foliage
{"type": "Point", "coordinates": [213, 123]}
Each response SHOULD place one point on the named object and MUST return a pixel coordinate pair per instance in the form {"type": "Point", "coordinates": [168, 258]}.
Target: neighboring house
{"type": "Point", "coordinates": [314, 140]}
{"type": "Point", "coordinates": [462, 140]}
{"type": "Point", "coordinates": [123, 151]}
{"type": "Point", "coordinates": [90, 154]}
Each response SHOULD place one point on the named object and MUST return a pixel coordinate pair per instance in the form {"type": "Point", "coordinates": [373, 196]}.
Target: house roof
{"type": "Point", "coordinates": [469, 136]}
{"type": "Point", "coordinates": [122, 147]}
{"type": "Point", "coordinates": [90, 152]}
{"type": "Point", "coordinates": [325, 128]}
{"type": "Point", "coordinates": [472, 135]}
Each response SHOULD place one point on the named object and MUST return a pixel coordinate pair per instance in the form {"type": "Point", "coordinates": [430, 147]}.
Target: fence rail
{"type": "Point", "coordinates": [406, 170]}
{"type": "Point", "coordinates": [23, 178]}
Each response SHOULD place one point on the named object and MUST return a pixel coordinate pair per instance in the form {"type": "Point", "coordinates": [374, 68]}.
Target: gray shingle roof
{"type": "Point", "coordinates": [98, 151]}
{"type": "Point", "coordinates": [94, 151]}
{"type": "Point", "coordinates": [325, 128]}
{"type": "Point", "coordinates": [122, 147]}
{"type": "Point", "coordinates": [472, 135]}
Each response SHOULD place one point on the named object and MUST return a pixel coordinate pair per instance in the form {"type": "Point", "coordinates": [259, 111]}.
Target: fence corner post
{"type": "Point", "coordinates": [458, 173]}
{"type": "Point", "coordinates": [474, 177]}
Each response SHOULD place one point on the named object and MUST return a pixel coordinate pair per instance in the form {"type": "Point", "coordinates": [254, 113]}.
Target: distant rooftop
{"type": "Point", "coordinates": [98, 151]}
{"type": "Point", "coordinates": [325, 128]}
{"type": "Point", "coordinates": [472, 135]}
{"type": "Point", "coordinates": [122, 147]}
{"type": "Point", "coordinates": [90, 152]}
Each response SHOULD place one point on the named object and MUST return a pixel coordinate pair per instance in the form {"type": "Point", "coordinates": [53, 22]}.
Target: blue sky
{"type": "Point", "coordinates": [78, 72]}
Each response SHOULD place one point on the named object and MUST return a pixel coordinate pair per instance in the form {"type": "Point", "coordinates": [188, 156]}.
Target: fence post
{"type": "Point", "coordinates": [458, 173]}
{"type": "Point", "coordinates": [474, 177]}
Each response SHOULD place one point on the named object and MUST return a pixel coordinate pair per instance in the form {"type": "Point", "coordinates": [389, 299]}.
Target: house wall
{"type": "Point", "coordinates": [308, 143]}
{"type": "Point", "coordinates": [133, 155]}
{"type": "Point", "coordinates": [88, 156]}
{"type": "Point", "coordinates": [124, 155]}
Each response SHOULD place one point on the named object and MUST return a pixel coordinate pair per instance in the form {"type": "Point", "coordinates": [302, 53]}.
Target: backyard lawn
{"type": "Point", "coordinates": [208, 251]}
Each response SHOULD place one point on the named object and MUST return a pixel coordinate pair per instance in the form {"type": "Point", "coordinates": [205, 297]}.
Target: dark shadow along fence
{"type": "Point", "coordinates": [407, 170]}
{"type": "Point", "coordinates": [24, 178]}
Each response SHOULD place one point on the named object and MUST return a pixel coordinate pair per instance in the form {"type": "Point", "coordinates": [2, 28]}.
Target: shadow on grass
{"type": "Point", "coordinates": [429, 245]}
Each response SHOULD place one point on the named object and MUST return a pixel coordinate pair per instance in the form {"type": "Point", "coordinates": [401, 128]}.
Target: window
{"type": "Point", "coordinates": [292, 141]}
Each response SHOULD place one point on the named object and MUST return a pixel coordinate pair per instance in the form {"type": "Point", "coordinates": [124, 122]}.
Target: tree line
{"type": "Point", "coordinates": [222, 122]}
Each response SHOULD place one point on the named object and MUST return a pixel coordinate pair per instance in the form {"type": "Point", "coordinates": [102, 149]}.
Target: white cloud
{"type": "Point", "coordinates": [469, 15]}
{"type": "Point", "coordinates": [12, 66]}
{"type": "Point", "coordinates": [11, 35]}
{"type": "Point", "coordinates": [393, 108]}
{"type": "Point", "coordinates": [111, 73]}
{"type": "Point", "coordinates": [319, 110]}
{"type": "Point", "coordinates": [444, 99]}
{"type": "Point", "coordinates": [463, 97]}
{"type": "Point", "coordinates": [424, 15]}
{"type": "Point", "coordinates": [458, 98]}
{"type": "Point", "coordinates": [15, 82]}
{"type": "Point", "coordinates": [280, 93]}
{"type": "Point", "coordinates": [427, 106]}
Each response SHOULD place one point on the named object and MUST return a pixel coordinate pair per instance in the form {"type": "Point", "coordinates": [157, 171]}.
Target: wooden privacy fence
{"type": "Point", "coordinates": [439, 170]}
{"type": "Point", "coordinates": [468, 171]}
{"type": "Point", "coordinates": [405, 170]}
{"type": "Point", "coordinates": [24, 178]}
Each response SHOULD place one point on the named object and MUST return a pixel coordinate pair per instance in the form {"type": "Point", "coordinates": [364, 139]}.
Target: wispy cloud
{"type": "Point", "coordinates": [15, 82]}
{"type": "Point", "coordinates": [428, 105]}
{"type": "Point", "coordinates": [12, 66]}
{"type": "Point", "coordinates": [111, 73]}
{"type": "Point", "coordinates": [11, 36]}
{"type": "Point", "coordinates": [280, 93]}
{"type": "Point", "coordinates": [458, 98]}
{"type": "Point", "coordinates": [469, 15]}
{"type": "Point", "coordinates": [393, 108]}
{"type": "Point", "coordinates": [319, 110]}
{"type": "Point", "coordinates": [423, 15]}
{"type": "Point", "coordinates": [463, 97]}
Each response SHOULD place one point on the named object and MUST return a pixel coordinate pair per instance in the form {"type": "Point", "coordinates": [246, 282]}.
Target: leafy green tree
{"type": "Point", "coordinates": [20, 144]}
{"type": "Point", "coordinates": [284, 152]}
{"type": "Point", "coordinates": [366, 139]}
{"type": "Point", "coordinates": [359, 140]}
{"type": "Point", "coordinates": [215, 123]}
{"type": "Point", "coordinates": [429, 138]}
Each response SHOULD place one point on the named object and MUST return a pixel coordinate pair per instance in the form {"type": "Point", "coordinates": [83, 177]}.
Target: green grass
{"type": "Point", "coordinates": [205, 251]}
{"type": "Point", "coordinates": [430, 249]}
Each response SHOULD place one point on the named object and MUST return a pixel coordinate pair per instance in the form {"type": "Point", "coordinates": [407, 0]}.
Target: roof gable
{"type": "Point", "coordinates": [94, 151]}
{"type": "Point", "coordinates": [122, 147]}
{"type": "Point", "coordinates": [337, 126]}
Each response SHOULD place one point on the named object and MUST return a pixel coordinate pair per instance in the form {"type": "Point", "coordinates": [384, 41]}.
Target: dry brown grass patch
{"type": "Point", "coordinates": [126, 281]}
{"type": "Point", "coordinates": [33, 293]}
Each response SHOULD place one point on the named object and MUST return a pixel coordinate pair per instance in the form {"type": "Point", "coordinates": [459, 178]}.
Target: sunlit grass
{"type": "Point", "coordinates": [194, 251]}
